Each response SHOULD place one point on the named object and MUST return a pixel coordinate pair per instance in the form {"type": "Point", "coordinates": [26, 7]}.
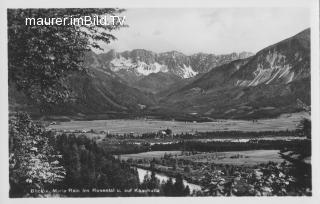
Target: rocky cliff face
{"type": "Point", "coordinates": [203, 63]}
{"type": "Point", "coordinates": [143, 63]}
{"type": "Point", "coordinates": [283, 62]}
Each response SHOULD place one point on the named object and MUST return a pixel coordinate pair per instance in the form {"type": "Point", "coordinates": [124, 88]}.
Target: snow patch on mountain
{"type": "Point", "coordinates": [145, 69]}
{"type": "Point", "coordinates": [274, 69]}
{"type": "Point", "coordinates": [188, 72]}
{"type": "Point", "coordinates": [140, 68]}
{"type": "Point", "coordinates": [120, 63]}
{"type": "Point", "coordinates": [267, 76]}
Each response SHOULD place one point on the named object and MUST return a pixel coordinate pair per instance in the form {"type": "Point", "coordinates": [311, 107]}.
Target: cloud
{"type": "Point", "coordinates": [209, 30]}
{"type": "Point", "coordinates": [157, 32]}
{"type": "Point", "coordinates": [137, 34]}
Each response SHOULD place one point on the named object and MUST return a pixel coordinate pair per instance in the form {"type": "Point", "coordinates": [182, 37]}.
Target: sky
{"type": "Point", "coordinates": [208, 30]}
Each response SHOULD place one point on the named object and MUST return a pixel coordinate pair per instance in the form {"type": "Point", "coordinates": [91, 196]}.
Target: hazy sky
{"type": "Point", "coordinates": [221, 30]}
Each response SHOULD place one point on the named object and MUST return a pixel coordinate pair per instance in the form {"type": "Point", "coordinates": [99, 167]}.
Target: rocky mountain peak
{"type": "Point", "coordinates": [144, 62]}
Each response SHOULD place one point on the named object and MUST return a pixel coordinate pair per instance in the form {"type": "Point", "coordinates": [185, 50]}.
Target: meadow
{"type": "Point", "coordinates": [251, 157]}
{"type": "Point", "coordinates": [150, 155]}
{"type": "Point", "coordinates": [140, 126]}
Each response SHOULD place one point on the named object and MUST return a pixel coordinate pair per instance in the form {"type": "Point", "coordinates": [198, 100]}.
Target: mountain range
{"type": "Point", "coordinates": [154, 72]}
{"type": "Point", "coordinates": [199, 86]}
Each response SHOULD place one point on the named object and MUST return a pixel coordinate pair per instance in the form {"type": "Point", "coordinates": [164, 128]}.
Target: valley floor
{"type": "Point", "coordinates": [120, 126]}
{"type": "Point", "coordinates": [245, 157]}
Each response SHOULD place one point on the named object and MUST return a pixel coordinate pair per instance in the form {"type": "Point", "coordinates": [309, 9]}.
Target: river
{"type": "Point", "coordinates": [162, 178]}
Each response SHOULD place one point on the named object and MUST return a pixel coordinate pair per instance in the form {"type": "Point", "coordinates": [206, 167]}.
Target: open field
{"type": "Point", "coordinates": [284, 122]}
{"type": "Point", "coordinates": [149, 155]}
{"type": "Point", "coordinates": [251, 157]}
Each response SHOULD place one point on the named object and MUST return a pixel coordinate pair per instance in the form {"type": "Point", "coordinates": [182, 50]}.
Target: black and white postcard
{"type": "Point", "coordinates": [216, 99]}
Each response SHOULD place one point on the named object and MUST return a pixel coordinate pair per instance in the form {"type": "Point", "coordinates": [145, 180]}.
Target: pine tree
{"type": "Point", "coordinates": [179, 186]}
